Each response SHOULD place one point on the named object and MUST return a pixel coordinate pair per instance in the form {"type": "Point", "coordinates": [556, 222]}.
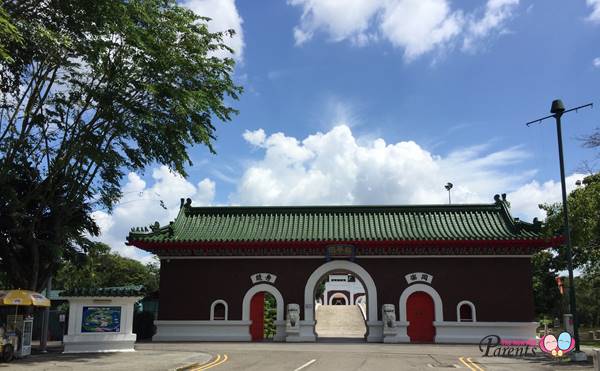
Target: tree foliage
{"type": "Point", "coordinates": [96, 89]}
{"type": "Point", "coordinates": [102, 268]}
{"type": "Point", "coordinates": [546, 294]}
{"type": "Point", "coordinates": [584, 220]}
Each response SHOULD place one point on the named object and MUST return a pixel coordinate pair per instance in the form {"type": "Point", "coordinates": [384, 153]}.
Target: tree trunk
{"type": "Point", "coordinates": [35, 267]}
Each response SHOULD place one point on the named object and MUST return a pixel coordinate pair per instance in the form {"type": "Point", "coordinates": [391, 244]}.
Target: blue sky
{"type": "Point", "coordinates": [384, 101]}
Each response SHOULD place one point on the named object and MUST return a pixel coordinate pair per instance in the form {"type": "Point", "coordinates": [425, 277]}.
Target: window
{"type": "Point", "coordinates": [465, 311]}
{"type": "Point", "coordinates": [218, 310]}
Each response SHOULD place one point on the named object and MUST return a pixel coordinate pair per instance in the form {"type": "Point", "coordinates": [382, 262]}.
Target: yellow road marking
{"type": "Point", "coordinates": [197, 366]}
{"type": "Point", "coordinates": [462, 360]}
{"type": "Point", "coordinates": [475, 364]}
{"type": "Point", "coordinates": [216, 362]}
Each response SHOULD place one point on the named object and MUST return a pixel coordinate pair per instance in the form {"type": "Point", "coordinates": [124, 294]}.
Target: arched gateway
{"type": "Point", "coordinates": [419, 265]}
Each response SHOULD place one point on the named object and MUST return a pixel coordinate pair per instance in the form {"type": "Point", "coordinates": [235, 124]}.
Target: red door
{"type": "Point", "coordinates": [420, 315]}
{"type": "Point", "coordinates": [257, 316]}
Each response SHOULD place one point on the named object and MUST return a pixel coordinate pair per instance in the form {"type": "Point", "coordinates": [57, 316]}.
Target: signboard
{"type": "Point", "coordinates": [101, 319]}
{"type": "Point", "coordinates": [263, 277]}
{"type": "Point", "coordinates": [340, 251]}
{"type": "Point", "coordinates": [418, 277]}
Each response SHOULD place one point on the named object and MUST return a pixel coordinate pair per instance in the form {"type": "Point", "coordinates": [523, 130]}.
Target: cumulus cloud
{"type": "Point", "coordinates": [528, 196]}
{"type": "Point", "coordinates": [224, 16]}
{"type": "Point", "coordinates": [142, 204]}
{"type": "Point", "coordinates": [337, 168]}
{"type": "Point", "coordinates": [256, 138]}
{"type": "Point", "coordinates": [417, 26]}
{"type": "Point", "coordinates": [595, 5]}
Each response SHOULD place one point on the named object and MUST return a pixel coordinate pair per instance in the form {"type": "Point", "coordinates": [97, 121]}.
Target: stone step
{"type": "Point", "coordinates": [340, 321]}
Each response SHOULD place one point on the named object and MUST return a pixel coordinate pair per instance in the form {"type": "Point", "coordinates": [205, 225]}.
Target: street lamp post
{"type": "Point", "coordinates": [448, 187]}
{"type": "Point", "coordinates": [557, 110]}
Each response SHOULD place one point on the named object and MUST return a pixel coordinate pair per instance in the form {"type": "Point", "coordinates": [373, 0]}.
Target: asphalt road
{"type": "Point", "coordinates": [292, 357]}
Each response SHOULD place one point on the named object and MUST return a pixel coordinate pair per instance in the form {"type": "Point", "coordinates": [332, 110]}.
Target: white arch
{"type": "Point", "coordinates": [260, 288]}
{"type": "Point", "coordinates": [338, 295]}
{"type": "Point", "coordinates": [465, 302]}
{"type": "Point", "coordinates": [214, 304]}
{"type": "Point", "coordinates": [437, 300]}
{"type": "Point", "coordinates": [360, 272]}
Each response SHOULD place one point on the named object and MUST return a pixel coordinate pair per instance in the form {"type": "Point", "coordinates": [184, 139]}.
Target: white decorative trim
{"type": "Point", "coordinates": [212, 309]}
{"type": "Point", "coordinates": [357, 270]}
{"type": "Point", "coordinates": [338, 295]}
{"type": "Point", "coordinates": [418, 277]}
{"type": "Point", "coordinates": [307, 327]}
{"type": "Point", "coordinates": [260, 288]}
{"type": "Point", "coordinates": [437, 300]}
{"type": "Point", "coordinates": [202, 331]}
{"type": "Point", "coordinates": [320, 257]}
{"type": "Point", "coordinates": [473, 313]}
{"type": "Point", "coordinates": [473, 332]}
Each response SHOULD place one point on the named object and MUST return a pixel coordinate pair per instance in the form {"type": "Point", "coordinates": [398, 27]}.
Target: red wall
{"type": "Point", "coordinates": [500, 288]}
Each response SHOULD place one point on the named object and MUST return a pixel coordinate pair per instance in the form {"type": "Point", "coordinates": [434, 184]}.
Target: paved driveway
{"type": "Point", "coordinates": [292, 357]}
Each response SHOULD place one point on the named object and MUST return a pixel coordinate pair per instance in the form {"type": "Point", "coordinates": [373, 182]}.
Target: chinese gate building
{"type": "Point", "coordinates": [431, 273]}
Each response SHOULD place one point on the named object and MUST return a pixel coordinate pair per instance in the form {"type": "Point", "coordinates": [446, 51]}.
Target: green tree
{"type": "Point", "coordinates": [584, 218]}
{"type": "Point", "coordinates": [96, 89]}
{"type": "Point", "coordinates": [102, 268]}
{"type": "Point", "coordinates": [546, 295]}
{"type": "Point", "coordinates": [8, 34]}
{"type": "Point", "coordinates": [588, 300]}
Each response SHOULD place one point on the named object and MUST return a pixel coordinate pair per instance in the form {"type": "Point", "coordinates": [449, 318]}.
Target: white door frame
{"type": "Point", "coordinates": [260, 288]}
{"type": "Point", "coordinates": [437, 300]}
{"type": "Point", "coordinates": [360, 272]}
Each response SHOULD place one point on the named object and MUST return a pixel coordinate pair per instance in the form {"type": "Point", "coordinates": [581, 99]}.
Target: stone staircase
{"type": "Point", "coordinates": [340, 321]}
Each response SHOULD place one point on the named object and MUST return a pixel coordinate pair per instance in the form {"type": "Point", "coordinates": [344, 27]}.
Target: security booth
{"type": "Point", "coordinates": [101, 319]}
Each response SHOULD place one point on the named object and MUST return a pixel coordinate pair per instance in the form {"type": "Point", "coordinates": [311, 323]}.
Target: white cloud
{"type": "Point", "coordinates": [256, 137]}
{"type": "Point", "coordinates": [496, 14]}
{"type": "Point", "coordinates": [417, 26]}
{"type": "Point", "coordinates": [596, 62]}
{"type": "Point", "coordinates": [341, 19]}
{"type": "Point", "coordinates": [525, 199]}
{"type": "Point", "coordinates": [595, 15]}
{"type": "Point", "coordinates": [224, 16]}
{"type": "Point", "coordinates": [337, 168]}
{"type": "Point", "coordinates": [141, 206]}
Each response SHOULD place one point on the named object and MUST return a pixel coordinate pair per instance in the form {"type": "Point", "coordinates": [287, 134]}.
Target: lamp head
{"type": "Point", "coordinates": [557, 106]}
{"type": "Point", "coordinates": [448, 186]}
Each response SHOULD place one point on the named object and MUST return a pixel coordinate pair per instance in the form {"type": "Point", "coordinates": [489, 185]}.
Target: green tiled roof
{"type": "Point", "coordinates": [104, 291]}
{"type": "Point", "coordinates": [237, 224]}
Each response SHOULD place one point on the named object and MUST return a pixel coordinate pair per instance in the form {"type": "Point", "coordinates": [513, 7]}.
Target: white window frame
{"type": "Point", "coordinates": [212, 310]}
{"type": "Point", "coordinates": [473, 312]}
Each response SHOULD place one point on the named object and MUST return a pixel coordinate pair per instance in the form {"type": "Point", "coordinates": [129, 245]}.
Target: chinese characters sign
{"type": "Point", "coordinates": [263, 277]}
{"type": "Point", "coordinates": [418, 277]}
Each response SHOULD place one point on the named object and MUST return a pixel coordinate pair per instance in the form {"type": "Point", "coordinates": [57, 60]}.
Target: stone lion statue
{"type": "Point", "coordinates": [389, 315]}
{"type": "Point", "coordinates": [293, 314]}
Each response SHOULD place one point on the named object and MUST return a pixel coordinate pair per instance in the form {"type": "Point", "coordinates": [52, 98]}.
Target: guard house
{"type": "Point", "coordinates": [431, 273]}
